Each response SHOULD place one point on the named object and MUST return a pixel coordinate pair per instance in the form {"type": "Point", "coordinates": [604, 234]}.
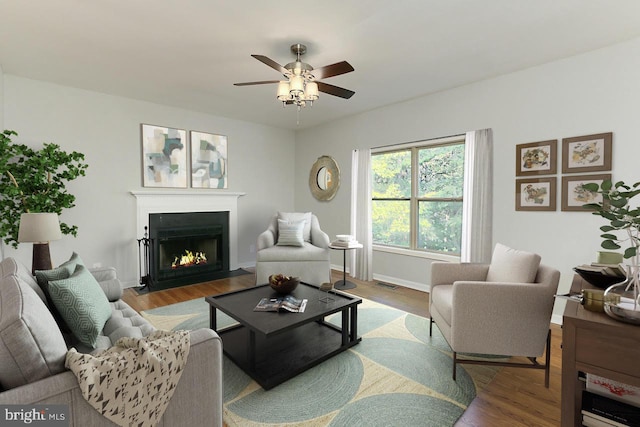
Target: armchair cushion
{"type": "Point", "coordinates": [290, 233]}
{"type": "Point", "coordinates": [298, 216]}
{"type": "Point", "coordinates": [31, 345]}
{"type": "Point", "coordinates": [512, 265]}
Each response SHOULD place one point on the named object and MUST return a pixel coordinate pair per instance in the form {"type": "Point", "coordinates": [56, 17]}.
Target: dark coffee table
{"type": "Point", "coordinates": [274, 347]}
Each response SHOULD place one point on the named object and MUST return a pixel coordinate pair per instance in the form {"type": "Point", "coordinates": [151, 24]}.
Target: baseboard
{"type": "Point", "coordinates": [247, 265]}
{"type": "Point", "coordinates": [557, 319]}
{"type": "Point", "coordinates": [404, 283]}
{"type": "Point", "coordinates": [129, 284]}
{"type": "Point", "coordinates": [393, 280]}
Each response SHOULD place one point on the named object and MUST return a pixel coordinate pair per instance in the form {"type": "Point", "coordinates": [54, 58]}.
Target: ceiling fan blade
{"type": "Point", "coordinates": [335, 90]}
{"type": "Point", "coordinates": [264, 82]}
{"type": "Point", "coordinates": [271, 63]}
{"type": "Point", "coordinates": [332, 70]}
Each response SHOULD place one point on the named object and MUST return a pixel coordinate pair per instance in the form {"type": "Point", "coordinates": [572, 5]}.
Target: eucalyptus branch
{"type": "Point", "coordinates": [36, 183]}
{"type": "Point", "coordinates": [13, 180]}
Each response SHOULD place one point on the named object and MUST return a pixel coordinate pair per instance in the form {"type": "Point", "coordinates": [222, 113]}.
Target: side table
{"type": "Point", "coordinates": [344, 283]}
{"type": "Point", "coordinates": [597, 344]}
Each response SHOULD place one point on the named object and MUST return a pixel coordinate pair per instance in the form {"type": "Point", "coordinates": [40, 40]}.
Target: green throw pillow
{"type": "Point", "coordinates": [64, 271]}
{"type": "Point", "coordinates": [82, 304]}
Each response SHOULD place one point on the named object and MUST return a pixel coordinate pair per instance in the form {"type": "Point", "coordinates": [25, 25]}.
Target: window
{"type": "Point", "coordinates": [417, 196]}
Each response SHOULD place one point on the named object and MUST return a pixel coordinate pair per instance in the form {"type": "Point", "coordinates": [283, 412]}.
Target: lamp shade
{"type": "Point", "coordinates": [283, 91]}
{"type": "Point", "coordinates": [311, 91]}
{"type": "Point", "coordinates": [39, 227]}
{"type": "Point", "coordinates": [296, 85]}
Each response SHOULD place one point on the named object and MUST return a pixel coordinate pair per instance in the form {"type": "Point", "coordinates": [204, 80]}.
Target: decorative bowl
{"type": "Point", "coordinates": [597, 279]}
{"type": "Point", "coordinates": [344, 237]}
{"type": "Point", "coordinates": [283, 284]}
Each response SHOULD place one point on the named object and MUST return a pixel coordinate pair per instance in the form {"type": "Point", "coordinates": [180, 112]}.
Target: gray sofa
{"type": "Point", "coordinates": [33, 350]}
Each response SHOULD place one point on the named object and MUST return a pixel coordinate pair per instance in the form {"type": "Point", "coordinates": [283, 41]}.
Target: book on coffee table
{"type": "Point", "coordinates": [284, 303]}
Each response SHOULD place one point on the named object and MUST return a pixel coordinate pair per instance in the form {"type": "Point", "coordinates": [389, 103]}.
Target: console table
{"type": "Point", "coordinates": [597, 344]}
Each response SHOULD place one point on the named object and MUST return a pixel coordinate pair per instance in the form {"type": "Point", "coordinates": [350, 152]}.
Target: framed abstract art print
{"type": "Point", "coordinates": [164, 157]}
{"type": "Point", "coordinates": [208, 160]}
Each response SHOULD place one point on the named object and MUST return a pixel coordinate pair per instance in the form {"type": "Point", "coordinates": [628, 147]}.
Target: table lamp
{"type": "Point", "coordinates": [39, 228]}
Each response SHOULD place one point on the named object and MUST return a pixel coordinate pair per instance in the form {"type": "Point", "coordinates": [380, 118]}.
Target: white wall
{"type": "Point", "coordinates": [107, 130]}
{"type": "Point", "coordinates": [590, 93]}
{"type": "Point", "coordinates": [1, 99]}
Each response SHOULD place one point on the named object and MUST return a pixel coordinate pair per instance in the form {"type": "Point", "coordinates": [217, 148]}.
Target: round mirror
{"type": "Point", "coordinates": [324, 178]}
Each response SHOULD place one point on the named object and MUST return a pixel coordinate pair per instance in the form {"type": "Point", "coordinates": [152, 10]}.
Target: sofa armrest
{"type": "Point", "coordinates": [108, 281]}
{"type": "Point", "coordinates": [197, 399]}
{"type": "Point", "coordinates": [500, 318]}
{"type": "Point", "coordinates": [103, 274]}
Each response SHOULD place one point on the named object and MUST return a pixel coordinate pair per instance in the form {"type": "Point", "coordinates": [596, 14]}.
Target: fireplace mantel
{"type": "Point", "coordinates": [172, 201]}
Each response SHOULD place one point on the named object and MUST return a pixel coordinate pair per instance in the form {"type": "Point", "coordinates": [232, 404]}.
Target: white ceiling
{"type": "Point", "coordinates": [188, 53]}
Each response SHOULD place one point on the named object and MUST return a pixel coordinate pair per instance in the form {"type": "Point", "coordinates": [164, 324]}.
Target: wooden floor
{"type": "Point", "coordinates": [516, 397]}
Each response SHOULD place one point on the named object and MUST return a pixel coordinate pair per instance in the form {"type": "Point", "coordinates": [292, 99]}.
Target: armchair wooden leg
{"type": "Point", "coordinates": [547, 360]}
{"type": "Point", "coordinates": [430, 325]}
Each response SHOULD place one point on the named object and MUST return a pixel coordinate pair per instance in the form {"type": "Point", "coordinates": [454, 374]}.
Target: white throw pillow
{"type": "Point", "coordinates": [299, 216]}
{"type": "Point", "coordinates": [512, 265]}
{"type": "Point", "coordinates": [290, 233]}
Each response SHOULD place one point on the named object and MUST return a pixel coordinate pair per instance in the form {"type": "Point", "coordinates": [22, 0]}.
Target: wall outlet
{"type": "Point", "coordinates": [252, 249]}
{"type": "Point", "coordinates": [97, 265]}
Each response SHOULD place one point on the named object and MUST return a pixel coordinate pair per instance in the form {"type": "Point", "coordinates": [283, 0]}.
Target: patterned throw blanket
{"type": "Point", "coordinates": [132, 382]}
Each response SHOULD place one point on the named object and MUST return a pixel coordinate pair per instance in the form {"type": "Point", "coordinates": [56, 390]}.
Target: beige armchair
{"type": "Point", "coordinates": [502, 308]}
{"type": "Point", "coordinates": [293, 245]}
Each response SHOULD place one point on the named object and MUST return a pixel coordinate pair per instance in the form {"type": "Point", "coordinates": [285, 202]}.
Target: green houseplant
{"type": "Point", "coordinates": [35, 181]}
{"type": "Point", "coordinates": [623, 231]}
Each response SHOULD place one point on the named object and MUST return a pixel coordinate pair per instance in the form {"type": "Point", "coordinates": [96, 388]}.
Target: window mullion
{"type": "Point", "coordinates": [414, 198]}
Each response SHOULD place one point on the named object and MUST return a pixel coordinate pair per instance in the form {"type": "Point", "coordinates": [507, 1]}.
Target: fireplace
{"type": "Point", "coordinates": [188, 248]}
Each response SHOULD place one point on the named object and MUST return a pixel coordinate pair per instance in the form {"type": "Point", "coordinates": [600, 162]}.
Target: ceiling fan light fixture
{"type": "Point", "coordinates": [296, 85]}
{"type": "Point", "coordinates": [283, 91]}
{"type": "Point", "coordinates": [301, 86]}
{"type": "Point", "coordinates": [311, 91]}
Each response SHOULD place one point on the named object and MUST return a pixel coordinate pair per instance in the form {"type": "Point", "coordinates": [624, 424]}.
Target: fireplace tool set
{"type": "Point", "coordinates": [144, 246]}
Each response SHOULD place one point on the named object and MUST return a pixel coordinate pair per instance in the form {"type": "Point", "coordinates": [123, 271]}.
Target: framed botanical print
{"type": "Point", "coordinates": [208, 160]}
{"type": "Point", "coordinates": [536, 194]}
{"type": "Point", "coordinates": [589, 153]}
{"type": "Point", "coordinates": [536, 158]}
{"type": "Point", "coordinates": [164, 156]}
{"type": "Point", "coordinates": [574, 196]}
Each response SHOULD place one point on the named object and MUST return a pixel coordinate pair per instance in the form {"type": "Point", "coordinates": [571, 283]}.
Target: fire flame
{"type": "Point", "coordinates": [189, 258]}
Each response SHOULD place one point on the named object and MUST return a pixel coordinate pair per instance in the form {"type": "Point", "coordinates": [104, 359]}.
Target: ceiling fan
{"type": "Point", "coordinates": [302, 84]}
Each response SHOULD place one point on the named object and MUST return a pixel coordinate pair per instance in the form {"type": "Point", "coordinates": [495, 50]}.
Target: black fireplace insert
{"type": "Point", "coordinates": [188, 248]}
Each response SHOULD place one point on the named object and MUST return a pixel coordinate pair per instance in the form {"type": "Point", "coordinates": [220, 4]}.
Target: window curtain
{"type": "Point", "coordinates": [361, 228]}
{"type": "Point", "coordinates": [477, 197]}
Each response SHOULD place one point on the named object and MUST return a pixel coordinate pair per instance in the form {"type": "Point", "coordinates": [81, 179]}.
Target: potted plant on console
{"type": "Point", "coordinates": [621, 301]}
{"type": "Point", "coordinates": [33, 188]}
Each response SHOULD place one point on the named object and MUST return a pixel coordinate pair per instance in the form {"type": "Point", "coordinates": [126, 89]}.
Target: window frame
{"type": "Point", "coordinates": [414, 200]}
